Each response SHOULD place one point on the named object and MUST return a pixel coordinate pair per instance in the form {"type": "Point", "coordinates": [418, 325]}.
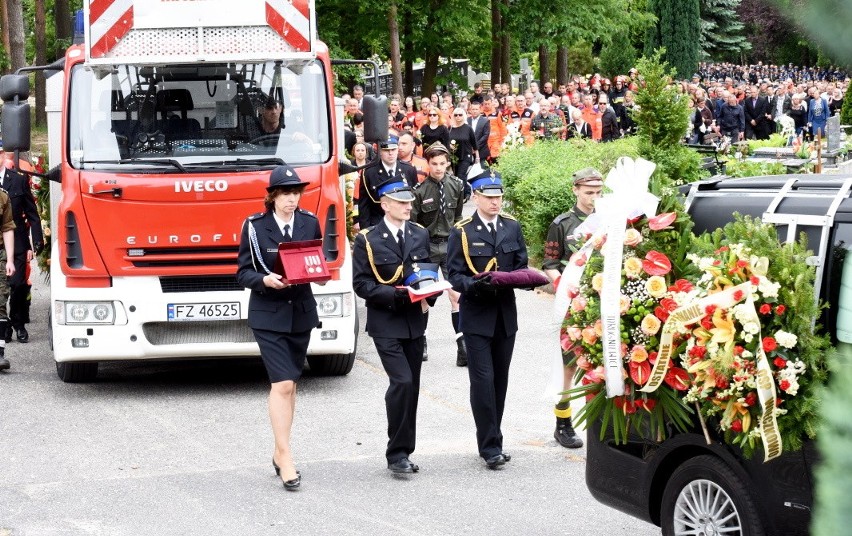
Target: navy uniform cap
{"type": "Point", "coordinates": [391, 143]}
{"type": "Point", "coordinates": [421, 275]}
{"type": "Point", "coordinates": [284, 175]}
{"type": "Point", "coordinates": [487, 182]}
{"type": "Point", "coordinates": [395, 189]}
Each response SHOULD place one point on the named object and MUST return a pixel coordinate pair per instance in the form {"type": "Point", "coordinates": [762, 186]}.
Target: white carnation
{"type": "Point", "coordinates": [768, 288]}
{"type": "Point", "coordinates": [785, 339]}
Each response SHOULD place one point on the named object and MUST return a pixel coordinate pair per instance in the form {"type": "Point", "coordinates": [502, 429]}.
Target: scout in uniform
{"type": "Point", "coordinates": [438, 204]}
{"type": "Point", "coordinates": [588, 184]}
{"type": "Point", "coordinates": [386, 258]}
{"type": "Point", "coordinates": [487, 241]}
{"type": "Point", "coordinates": [7, 266]}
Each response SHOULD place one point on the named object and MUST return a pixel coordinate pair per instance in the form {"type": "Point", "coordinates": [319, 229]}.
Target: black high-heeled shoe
{"type": "Point", "coordinates": [293, 485]}
{"type": "Point", "coordinates": [275, 466]}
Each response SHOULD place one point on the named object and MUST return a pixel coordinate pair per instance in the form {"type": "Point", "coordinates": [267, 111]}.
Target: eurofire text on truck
{"type": "Point", "coordinates": [155, 165]}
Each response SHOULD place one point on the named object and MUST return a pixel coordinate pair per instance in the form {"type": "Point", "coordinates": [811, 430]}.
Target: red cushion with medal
{"type": "Point", "coordinates": [302, 262]}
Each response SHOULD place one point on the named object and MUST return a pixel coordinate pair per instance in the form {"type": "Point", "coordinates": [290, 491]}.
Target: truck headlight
{"type": "Point", "coordinates": [334, 305]}
{"type": "Point", "coordinates": [84, 312]}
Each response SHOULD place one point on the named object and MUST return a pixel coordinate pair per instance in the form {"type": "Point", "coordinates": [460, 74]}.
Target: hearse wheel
{"type": "Point", "coordinates": [704, 497]}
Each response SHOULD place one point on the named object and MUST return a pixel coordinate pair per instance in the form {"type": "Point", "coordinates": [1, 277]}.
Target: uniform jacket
{"type": "Point", "coordinates": [24, 211]}
{"type": "Point", "coordinates": [426, 209]}
{"type": "Point", "coordinates": [387, 316]}
{"type": "Point", "coordinates": [479, 310]}
{"type": "Point", "coordinates": [369, 211]}
{"type": "Point", "coordinates": [288, 310]}
{"type": "Point", "coordinates": [557, 244]}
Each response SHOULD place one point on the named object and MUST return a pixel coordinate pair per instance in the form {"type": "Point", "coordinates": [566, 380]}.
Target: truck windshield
{"type": "Point", "coordinates": [198, 115]}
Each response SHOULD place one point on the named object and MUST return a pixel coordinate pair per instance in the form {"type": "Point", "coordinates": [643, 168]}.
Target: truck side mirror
{"type": "Point", "coordinates": [15, 90]}
{"type": "Point", "coordinates": [375, 110]}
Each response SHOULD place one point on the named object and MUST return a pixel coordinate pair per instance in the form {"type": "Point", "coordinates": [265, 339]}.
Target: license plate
{"type": "Point", "coordinates": [181, 312]}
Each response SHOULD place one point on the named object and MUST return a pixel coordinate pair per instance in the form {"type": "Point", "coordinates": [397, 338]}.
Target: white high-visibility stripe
{"type": "Point", "coordinates": [297, 21]}
{"type": "Point", "coordinates": [108, 19]}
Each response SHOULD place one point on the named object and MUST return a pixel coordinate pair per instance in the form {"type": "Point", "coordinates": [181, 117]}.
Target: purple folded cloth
{"type": "Point", "coordinates": [523, 278]}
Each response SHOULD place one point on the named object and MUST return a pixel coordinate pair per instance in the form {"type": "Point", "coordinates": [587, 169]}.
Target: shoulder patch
{"type": "Point", "coordinates": [464, 222]}
{"type": "Point", "coordinates": [559, 219]}
{"type": "Point", "coordinates": [307, 213]}
{"type": "Point", "coordinates": [256, 216]}
{"type": "Point", "coordinates": [508, 216]}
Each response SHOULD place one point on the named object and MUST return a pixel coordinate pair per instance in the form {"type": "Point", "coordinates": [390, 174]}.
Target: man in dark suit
{"type": "Point", "coordinates": [481, 130]}
{"type": "Point", "coordinates": [487, 241]}
{"type": "Point", "coordinates": [757, 113]}
{"type": "Point", "coordinates": [387, 168]}
{"type": "Point", "coordinates": [27, 223]}
{"type": "Point", "coordinates": [386, 256]}
{"type": "Point", "coordinates": [780, 104]}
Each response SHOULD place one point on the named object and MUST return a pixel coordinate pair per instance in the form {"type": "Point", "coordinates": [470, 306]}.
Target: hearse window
{"type": "Point", "coordinates": [839, 321]}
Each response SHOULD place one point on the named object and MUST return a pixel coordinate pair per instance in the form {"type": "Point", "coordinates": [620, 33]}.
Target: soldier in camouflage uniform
{"type": "Point", "coordinates": [438, 204]}
{"type": "Point", "coordinates": [588, 184]}
{"type": "Point", "coordinates": [7, 267]}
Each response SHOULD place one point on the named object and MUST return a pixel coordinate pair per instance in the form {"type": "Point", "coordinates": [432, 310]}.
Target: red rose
{"type": "Point", "coordinates": [784, 385]}
{"type": "Point", "coordinates": [769, 344]}
{"type": "Point", "coordinates": [780, 310]}
{"type": "Point", "coordinates": [709, 310]}
{"type": "Point", "coordinates": [737, 426]}
{"type": "Point", "coordinates": [698, 351]}
{"type": "Point", "coordinates": [738, 295]}
{"type": "Point", "coordinates": [751, 398]}
{"type": "Point", "coordinates": [722, 382]}
{"type": "Point", "coordinates": [706, 323]}
{"type": "Point", "coordinates": [656, 263]}
{"type": "Point", "coordinates": [754, 280]}
{"type": "Point", "coordinates": [780, 362]}
{"type": "Point", "coordinates": [738, 350]}
{"type": "Point", "coordinates": [765, 309]}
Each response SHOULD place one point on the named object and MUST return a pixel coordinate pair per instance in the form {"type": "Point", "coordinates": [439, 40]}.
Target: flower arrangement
{"type": "Point", "coordinates": [712, 333]}
{"type": "Point", "coordinates": [514, 139]}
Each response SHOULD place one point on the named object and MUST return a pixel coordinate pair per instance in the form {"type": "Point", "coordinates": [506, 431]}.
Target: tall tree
{"type": "Point", "coordinates": [63, 29]}
{"type": "Point", "coordinates": [618, 56]}
{"type": "Point", "coordinates": [722, 32]}
{"type": "Point", "coordinates": [544, 63]}
{"type": "Point", "coordinates": [17, 44]}
{"type": "Point", "coordinates": [396, 64]}
{"type": "Point", "coordinates": [561, 64]}
{"type": "Point", "coordinates": [678, 31]}
{"type": "Point", "coordinates": [496, 43]}
{"type": "Point", "coordinates": [40, 59]}
{"type": "Point", "coordinates": [505, 46]}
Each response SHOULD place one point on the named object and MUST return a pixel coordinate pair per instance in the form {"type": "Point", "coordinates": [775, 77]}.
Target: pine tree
{"type": "Point", "coordinates": [722, 35]}
{"type": "Point", "coordinates": [618, 56]}
{"type": "Point", "coordinates": [678, 30]}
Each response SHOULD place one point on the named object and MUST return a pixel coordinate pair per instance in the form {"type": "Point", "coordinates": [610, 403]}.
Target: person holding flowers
{"type": "Point", "coordinates": [588, 184]}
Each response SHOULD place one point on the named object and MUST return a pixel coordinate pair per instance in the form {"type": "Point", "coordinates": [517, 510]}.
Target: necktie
{"type": "Point", "coordinates": [400, 240]}
{"type": "Point", "coordinates": [287, 237]}
{"type": "Point", "coordinates": [493, 231]}
{"type": "Point", "coordinates": [441, 193]}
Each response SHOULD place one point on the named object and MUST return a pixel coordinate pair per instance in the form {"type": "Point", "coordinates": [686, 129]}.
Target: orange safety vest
{"type": "Point", "coordinates": [497, 134]}
{"type": "Point", "coordinates": [593, 118]}
{"type": "Point", "coordinates": [420, 165]}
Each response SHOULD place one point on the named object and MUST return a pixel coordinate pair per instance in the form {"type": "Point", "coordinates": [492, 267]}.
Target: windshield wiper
{"type": "Point", "coordinates": [156, 161]}
{"type": "Point", "coordinates": [258, 161]}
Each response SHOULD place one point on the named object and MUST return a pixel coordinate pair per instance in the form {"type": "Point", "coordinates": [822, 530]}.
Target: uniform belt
{"type": "Point", "coordinates": [438, 239]}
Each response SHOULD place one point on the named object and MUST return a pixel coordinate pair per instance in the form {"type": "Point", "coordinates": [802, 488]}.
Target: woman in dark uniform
{"type": "Point", "coordinates": [281, 315]}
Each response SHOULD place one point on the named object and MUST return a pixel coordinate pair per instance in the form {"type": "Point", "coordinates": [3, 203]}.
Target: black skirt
{"type": "Point", "coordinates": [283, 354]}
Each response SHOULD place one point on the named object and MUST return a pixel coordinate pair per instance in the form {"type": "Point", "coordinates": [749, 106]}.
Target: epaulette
{"type": "Point", "coordinates": [307, 213]}
{"type": "Point", "coordinates": [508, 216]}
{"type": "Point", "coordinates": [562, 217]}
{"type": "Point", "coordinates": [365, 231]}
{"type": "Point", "coordinates": [256, 216]}
{"type": "Point", "coordinates": [464, 222]}
{"type": "Point", "coordinates": [417, 224]}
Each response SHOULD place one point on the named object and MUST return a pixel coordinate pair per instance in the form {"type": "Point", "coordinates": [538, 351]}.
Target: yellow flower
{"type": "Point", "coordinates": [759, 265]}
{"type": "Point", "coordinates": [724, 331]}
{"type": "Point", "coordinates": [597, 282]}
{"type": "Point", "coordinates": [650, 325]}
{"type": "Point", "coordinates": [632, 267]}
{"type": "Point", "coordinates": [656, 286]}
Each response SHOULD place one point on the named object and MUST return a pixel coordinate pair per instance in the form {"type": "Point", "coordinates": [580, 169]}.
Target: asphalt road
{"type": "Point", "coordinates": [184, 448]}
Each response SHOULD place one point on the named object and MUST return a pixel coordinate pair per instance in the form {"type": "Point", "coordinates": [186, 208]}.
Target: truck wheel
{"type": "Point", "coordinates": [704, 497]}
{"type": "Point", "coordinates": [70, 372]}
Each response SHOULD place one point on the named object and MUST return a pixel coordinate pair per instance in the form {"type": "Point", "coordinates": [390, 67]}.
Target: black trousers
{"type": "Point", "coordinates": [19, 295]}
{"type": "Point", "coordinates": [488, 360]}
{"type": "Point", "coordinates": [402, 359]}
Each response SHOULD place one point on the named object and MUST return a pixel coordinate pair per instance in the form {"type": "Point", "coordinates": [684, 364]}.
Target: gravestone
{"type": "Point", "coordinates": [832, 132]}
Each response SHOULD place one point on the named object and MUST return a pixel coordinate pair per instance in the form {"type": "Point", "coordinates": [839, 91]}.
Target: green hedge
{"type": "Point", "coordinates": [538, 180]}
{"type": "Point", "coordinates": [846, 109]}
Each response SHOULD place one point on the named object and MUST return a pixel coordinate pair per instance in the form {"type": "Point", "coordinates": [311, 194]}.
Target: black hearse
{"type": "Point", "coordinates": [686, 486]}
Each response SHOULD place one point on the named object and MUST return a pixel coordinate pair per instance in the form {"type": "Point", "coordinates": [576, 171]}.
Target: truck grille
{"type": "Point", "coordinates": [178, 257]}
{"type": "Point", "coordinates": [163, 333]}
{"type": "Point", "coordinates": [209, 283]}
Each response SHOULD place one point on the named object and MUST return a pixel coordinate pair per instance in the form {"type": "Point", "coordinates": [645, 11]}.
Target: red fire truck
{"type": "Point", "coordinates": [157, 159]}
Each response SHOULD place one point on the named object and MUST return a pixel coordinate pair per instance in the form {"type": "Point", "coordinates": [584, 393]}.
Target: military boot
{"type": "Point", "coordinates": [565, 434]}
{"type": "Point", "coordinates": [461, 354]}
{"type": "Point", "coordinates": [4, 363]}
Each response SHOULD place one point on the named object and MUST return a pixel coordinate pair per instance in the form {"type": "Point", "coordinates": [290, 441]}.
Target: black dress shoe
{"type": "Point", "coordinates": [4, 363]}
{"type": "Point", "coordinates": [507, 456]}
{"type": "Point", "coordinates": [402, 465]}
{"type": "Point", "coordinates": [22, 334]}
{"type": "Point", "coordinates": [7, 335]}
{"type": "Point", "coordinates": [495, 461]}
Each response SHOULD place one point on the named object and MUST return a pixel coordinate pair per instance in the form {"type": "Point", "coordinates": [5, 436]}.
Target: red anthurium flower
{"type": "Point", "coordinates": [681, 285]}
{"type": "Point", "coordinates": [639, 372]}
{"type": "Point", "coordinates": [669, 304]}
{"type": "Point", "coordinates": [769, 344]}
{"type": "Point", "coordinates": [662, 221]}
{"type": "Point", "coordinates": [656, 263]}
{"type": "Point", "coordinates": [677, 378]}
{"type": "Point", "coordinates": [661, 313]}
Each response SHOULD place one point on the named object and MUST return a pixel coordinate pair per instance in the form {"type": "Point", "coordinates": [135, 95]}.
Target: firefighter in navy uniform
{"type": "Point", "coordinates": [588, 183]}
{"type": "Point", "coordinates": [388, 167]}
{"type": "Point", "coordinates": [27, 222]}
{"type": "Point", "coordinates": [386, 257]}
{"type": "Point", "coordinates": [7, 252]}
{"type": "Point", "coordinates": [487, 241]}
